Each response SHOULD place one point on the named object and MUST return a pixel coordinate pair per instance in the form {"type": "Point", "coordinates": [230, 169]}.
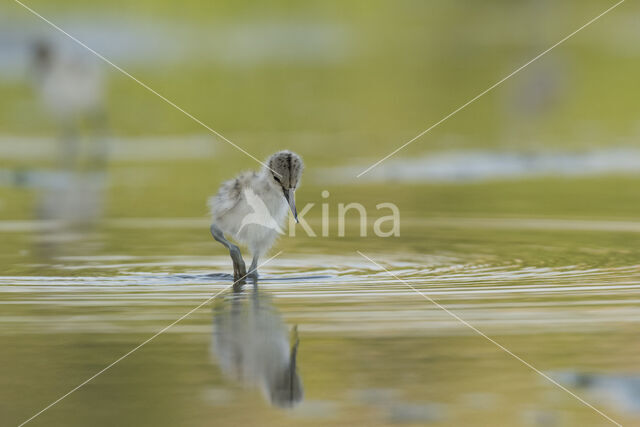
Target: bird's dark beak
{"type": "Point", "coordinates": [291, 199]}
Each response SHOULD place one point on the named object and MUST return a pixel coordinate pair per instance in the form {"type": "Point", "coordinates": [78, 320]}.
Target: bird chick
{"type": "Point", "coordinates": [251, 208]}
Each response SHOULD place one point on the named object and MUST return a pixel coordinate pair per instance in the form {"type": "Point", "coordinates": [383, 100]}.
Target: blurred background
{"type": "Point", "coordinates": [342, 84]}
{"type": "Point", "coordinates": [530, 194]}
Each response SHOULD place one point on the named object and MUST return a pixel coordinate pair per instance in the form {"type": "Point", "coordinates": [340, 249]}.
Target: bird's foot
{"type": "Point", "coordinates": [239, 272]}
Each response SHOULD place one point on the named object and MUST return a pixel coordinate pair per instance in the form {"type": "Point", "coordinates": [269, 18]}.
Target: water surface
{"type": "Point", "coordinates": [372, 351]}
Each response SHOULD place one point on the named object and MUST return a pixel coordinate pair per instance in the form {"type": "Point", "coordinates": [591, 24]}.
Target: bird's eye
{"type": "Point", "coordinates": [277, 179]}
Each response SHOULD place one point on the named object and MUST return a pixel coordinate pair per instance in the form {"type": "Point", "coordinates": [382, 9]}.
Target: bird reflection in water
{"type": "Point", "coordinates": [253, 346]}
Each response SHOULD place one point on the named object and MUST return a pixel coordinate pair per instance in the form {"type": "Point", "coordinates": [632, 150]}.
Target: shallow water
{"type": "Point", "coordinates": [372, 350]}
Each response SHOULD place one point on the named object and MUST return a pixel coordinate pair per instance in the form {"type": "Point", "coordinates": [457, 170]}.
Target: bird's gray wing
{"type": "Point", "coordinates": [229, 195]}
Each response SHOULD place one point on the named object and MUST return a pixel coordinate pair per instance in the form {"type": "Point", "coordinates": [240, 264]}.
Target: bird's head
{"type": "Point", "coordinates": [285, 171]}
{"type": "Point", "coordinates": [42, 52]}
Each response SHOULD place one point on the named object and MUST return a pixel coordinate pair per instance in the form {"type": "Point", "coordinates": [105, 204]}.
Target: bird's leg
{"type": "Point", "coordinates": [99, 149]}
{"type": "Point", "coordinates": [68, 151]}
{"type": "Point", "coordinates": [253, 270]}
{"type": "Point", "coordinates": [239, 270]}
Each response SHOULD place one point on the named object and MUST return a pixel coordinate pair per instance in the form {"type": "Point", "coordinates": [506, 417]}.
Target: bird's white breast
{"type": "Point", "coordinates": [257, 216]}
{"type": "Point", "coordinates": [71, 86]}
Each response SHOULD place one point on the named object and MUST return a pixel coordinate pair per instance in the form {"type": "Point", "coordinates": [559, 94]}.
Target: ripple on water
{"type": "Point", "coordinates": [350, 297]}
